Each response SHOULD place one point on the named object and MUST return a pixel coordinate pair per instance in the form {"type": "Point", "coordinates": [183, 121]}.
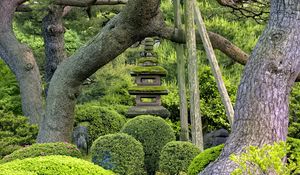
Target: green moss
{"type": "Point", "coordinates": [153, 133]}
{"type": "Point", "coordinates": [149, 70]}
{"type": "Point", "coordinates": [148, 90]}
{"type": "Point", "coordinates": [120, 153]}
{"type": "Point", "coordinates": [43, 149]}
{"type": "Point", "coordinates": [150, 59]}
{"type": "Point", "coordinates": [54, 165]}
{"type": "Point", "coordinates": [203, 159]}
{"type": "Point", "coordinates": [176, 156]}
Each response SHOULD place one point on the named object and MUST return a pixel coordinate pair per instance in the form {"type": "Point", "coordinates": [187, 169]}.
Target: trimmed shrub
{"type": "Point", "coordinates": [203, 159]}
{"type": "Point", "coordinates": [99, 120]}
{"type": "Point", "coordinates": [15, 132]}
{"type": "Point", "coordinates": [120, 153]}
{"type": "Point", "coordinates": [176, 156]}
{"type": "Point", "coordinates": [153, 133]}
{"type": "Point", "coordinates": [44, 149]}
{"type": "Point", "coordinates": [55, 165]}
{"type": "Point", "coordinates": [15, 172]}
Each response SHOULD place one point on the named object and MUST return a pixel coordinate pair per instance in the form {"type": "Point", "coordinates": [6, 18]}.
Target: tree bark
{"type": "Point", "coordinates": [53, 34]}
{"type": "Point", "coordinates": [214, 65]}
{"type": "Point", "coordinates": [21, 61]}
{"type": "Point", "coordinates": [184, 126]}
{"type": "Point", "coordinates": [140, 18]}
{"type": "Point", "coordinates": [197, 136]}
{"type": "Point", "coordinates": [261, 110]}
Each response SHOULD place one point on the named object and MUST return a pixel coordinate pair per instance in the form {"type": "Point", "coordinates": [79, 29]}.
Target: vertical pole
{"type": "Point", "coordinates": [214, 65]}
{"type": "Point", "coordinates": [184, 132]}
{"type": "Point", "coordinates": [197, 136]}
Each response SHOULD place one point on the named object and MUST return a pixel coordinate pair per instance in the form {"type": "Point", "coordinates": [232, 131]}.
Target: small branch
{"type": "Point", "coordinates": [23, 8]}
{"type": "Point", "coordinates": [86, 3]}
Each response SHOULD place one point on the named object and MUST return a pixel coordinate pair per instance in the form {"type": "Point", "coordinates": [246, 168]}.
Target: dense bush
{"type": "Point", "coordinates": [153, 133]}
{"type": "Point", "coordinates": [266, 160]}
{"type": "Point", "coordinates": [15, 172]}
{"type": "Point", "coordinates": [99, 120]}
{"type": "Point", "coordinates": [176, 156]}
{"type": "Point", "coordinates": [15, 132]}
{"type": "Point", "coordinates": [55, 165]}
{"type": "Point", "coordinates": [203, 159]}
{"type": "Point", "coordinates": [44, 149]}
{"type": "Point", "coordinates": [120, 153]}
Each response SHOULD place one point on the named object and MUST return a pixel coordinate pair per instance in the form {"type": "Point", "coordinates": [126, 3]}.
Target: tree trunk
{"type": "Point", "coordinates": [140, 18]}
{"type": "Point", "coordinates": [184, 126]}
{"type": "Point", "coordinates": [53, 33]}
{"type": "Point", "coordinates": [21, 61]}
{"type": "Point", "coordinates": [214, 65]}
{"type": "Point", "coordinates": [197, 136]}
{"type": "Point", "coordinates": [261, 110]}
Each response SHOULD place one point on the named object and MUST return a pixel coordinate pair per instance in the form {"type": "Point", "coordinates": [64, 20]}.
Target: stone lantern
{"type": "Point", "coordinates": [148, 89]}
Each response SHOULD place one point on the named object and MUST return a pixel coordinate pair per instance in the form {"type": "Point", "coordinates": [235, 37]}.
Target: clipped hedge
{"type": "Point", "coordinates": [153, 133]}
{"type": "Point", "coordinates": [54, 165]}
{"type": "Point", "coordinates": [15, 172]}
{"type": "Point", "coordinates": [99, 120]}
{"type": "Point", "coordinates": [176, 156]}
{"type": "Point", "coordinates": [15, 132]}
{"type": "Point", "coordinates": [44, 149]}
{"type": "Point", "coordinates": [203, 159]}
{"type": "Point", "coordinates": [120, 153]}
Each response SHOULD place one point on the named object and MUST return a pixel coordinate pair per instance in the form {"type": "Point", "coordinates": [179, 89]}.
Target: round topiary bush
{"type": "Point", "coordinates": [99, 120]}
{"type": "Point", "coordinates": [54, 165]}
{"type": "Point", "coordinates": [176, 156]}
{"type": "Point", "coordinates": [120, 153]}
{"type": "Point", "coordinates": [153, 133]}
{"type": "Point", "coordinates": [203, 159]}
{"type": "Point", "coordinates": [43, 149]}
{"type": "Point", "coordinates": [12, 172]}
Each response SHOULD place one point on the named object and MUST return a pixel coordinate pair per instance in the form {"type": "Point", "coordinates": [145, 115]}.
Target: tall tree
{"type": "Point", "coordinates": [261, 110]}
{"type": "Point", "coordinates": [197, 136]}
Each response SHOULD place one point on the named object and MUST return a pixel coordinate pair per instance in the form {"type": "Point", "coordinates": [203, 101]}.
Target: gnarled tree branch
{"type": "Point", "coordinates": [86, 3]}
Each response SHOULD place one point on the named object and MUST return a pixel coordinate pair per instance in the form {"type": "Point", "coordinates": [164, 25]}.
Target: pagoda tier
{"type": "Point", "coordinates": [148, 90]}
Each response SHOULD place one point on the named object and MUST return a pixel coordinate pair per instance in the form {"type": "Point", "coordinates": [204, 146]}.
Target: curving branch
{"type": "Point", "coordinates": [86, 3]}
{"type": "Point", "coordinates": [218, 42]}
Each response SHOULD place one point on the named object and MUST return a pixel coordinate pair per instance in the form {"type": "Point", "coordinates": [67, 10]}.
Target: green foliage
{"type": "Point", "coordinates": [16, 172]}
{"type": "Point", "coordinates": [43, 149]}
{"type": "Point", "coordinates": [120, 153]}
{"type": "Point", "coordinates": [153, 133]}
{"type": "Point", "coordinates": [262, 160]}
{"type": "Point", "coordinates": [54, 165]}
{"type": "Point", "coordinates": [212, 109]}
{"type": "Point", "coordinates": [110, 86]}
{"type": "Point", "coordinates": [293, 155]}
{"type": "Point", "coordinates": [15, 132]}
{"type": "Point", "coordinates": [203, 159]}
{"type": "Point", "coordinates": [100, 120]}
{"type": "Point", "coordinates": [294, 109]}
{"type": "Point", "coordinates": [176, 156]}
{"type": "Point", "coordinates": [10, 100]}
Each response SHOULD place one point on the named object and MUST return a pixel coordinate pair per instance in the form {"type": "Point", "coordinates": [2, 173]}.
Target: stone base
{"type": "Point", "coordinates": [148, 110]}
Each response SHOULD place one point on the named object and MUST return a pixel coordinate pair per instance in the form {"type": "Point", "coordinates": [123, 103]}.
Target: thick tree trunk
{"type": "Point", "coordinates": [21, 61]}
{"type": "Point", "coordinates": [261, 111]}
{"type": "Point", "coordinates": [184, 126]}
{"type": "Point", "coordinates": [140, 18]}
{"type": "Point", "coordinates": [53, 33]}
{"type": "Point", "coordinates": [197, 136]}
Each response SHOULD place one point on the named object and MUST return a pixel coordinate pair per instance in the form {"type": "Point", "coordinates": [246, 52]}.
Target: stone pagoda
{"type": "Point", "coordinates": [149, 89]}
